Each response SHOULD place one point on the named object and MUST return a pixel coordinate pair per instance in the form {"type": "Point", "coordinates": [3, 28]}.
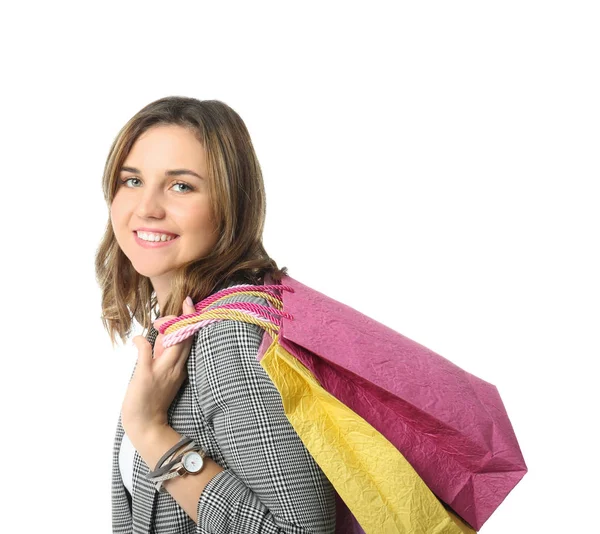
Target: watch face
{"type": "Point", "coordinates": [192, 462]}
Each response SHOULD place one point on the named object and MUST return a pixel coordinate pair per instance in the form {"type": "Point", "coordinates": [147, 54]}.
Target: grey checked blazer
{"type": "Point", "coordinates": [230, 407]}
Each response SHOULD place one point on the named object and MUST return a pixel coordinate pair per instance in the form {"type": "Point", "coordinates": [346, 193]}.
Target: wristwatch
{"type": "Point", "coordinates": [190, 462]}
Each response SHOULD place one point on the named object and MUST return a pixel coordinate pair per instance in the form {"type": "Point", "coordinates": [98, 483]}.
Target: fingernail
{"type": "Point", "coordinates": [189, 301]}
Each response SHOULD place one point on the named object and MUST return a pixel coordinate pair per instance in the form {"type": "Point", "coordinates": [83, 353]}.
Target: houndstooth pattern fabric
{"type": "Point", "coordinates": [229, 406]}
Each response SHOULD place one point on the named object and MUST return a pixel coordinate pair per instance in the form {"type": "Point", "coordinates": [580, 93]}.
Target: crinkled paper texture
{"type": "Point", "coordinates": [450, 425]}
{"type": "Point", "coordinates": [378, 485]}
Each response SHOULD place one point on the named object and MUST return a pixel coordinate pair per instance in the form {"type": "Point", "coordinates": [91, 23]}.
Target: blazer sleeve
{"type": "Point", "coordinates": [271, 484]}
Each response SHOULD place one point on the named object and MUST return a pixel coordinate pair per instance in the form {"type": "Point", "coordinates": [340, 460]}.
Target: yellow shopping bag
{"type": "Point", "coordinates": [381, 489]}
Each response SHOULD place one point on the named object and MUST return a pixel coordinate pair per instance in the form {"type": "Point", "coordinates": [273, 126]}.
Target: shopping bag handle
{"type": "Point", "coordinates": [267, 317]}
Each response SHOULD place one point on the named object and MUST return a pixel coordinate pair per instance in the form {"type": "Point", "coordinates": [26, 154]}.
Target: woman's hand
{"type": "Point", "coordinates": [155, 382]}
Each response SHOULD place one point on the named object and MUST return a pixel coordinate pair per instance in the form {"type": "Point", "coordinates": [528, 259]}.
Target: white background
{"type": "Point", "coordinates": [432, 164]}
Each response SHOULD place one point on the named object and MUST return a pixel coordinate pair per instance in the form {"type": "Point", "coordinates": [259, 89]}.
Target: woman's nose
{"type": "Point", "coordinates": [150, 204]}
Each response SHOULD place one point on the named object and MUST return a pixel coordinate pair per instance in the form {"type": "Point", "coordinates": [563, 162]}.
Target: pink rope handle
{"type": "Point", "coordinates": [200, 306]}
{"type": "Point", "coordinates": [271, 289]}
{"type": "Point", "coordinates": [258, 310]}
{"type": "Point", "coordinates": [271, 315]}
{"type": "Point", "coordinates": [268, 314]}
{"type": "Point", "coordinates": [189, 330]}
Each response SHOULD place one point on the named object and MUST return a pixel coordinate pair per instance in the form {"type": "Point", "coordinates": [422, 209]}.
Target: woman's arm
{"type": "Point", "coordinates": [151, 445]}
{"type": "Point", "coordinates": [272, 484]}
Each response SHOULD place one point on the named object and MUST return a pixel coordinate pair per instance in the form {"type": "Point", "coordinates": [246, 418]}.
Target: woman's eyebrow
{"type": "Point", "coordinates": [173, 172]}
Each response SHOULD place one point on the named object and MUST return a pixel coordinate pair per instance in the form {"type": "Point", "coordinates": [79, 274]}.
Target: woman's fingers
{"type": "Point", "coordinates": [162, 320]}
{"type": "Point", "coordinates": [144, 350]}
{"type": "Point", "coordinates": [158, 346]}
{"type": "Point", "coordinates": [178, 353]}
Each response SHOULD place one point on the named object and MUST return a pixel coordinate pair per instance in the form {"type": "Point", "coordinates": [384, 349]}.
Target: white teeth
{"type": "Point", "coordinates": [146, 236]}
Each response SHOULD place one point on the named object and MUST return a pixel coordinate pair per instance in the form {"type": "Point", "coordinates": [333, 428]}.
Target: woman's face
{"type": "Point", "coordinates": [149, 198]}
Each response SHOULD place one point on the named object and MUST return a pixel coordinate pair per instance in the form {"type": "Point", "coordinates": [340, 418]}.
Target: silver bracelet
{"type": "Point", "coordinates": [159, 485]}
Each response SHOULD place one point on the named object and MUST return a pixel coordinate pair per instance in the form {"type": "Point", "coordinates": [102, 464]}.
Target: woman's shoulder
{"type": "Point", "coordinates": [227, 328]}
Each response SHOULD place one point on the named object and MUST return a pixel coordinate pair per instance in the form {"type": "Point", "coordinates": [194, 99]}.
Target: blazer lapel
{"type": "Point", "coordinates": [121, 513]}
{"type": "Point", "coordinates": [144, 497]}
{"type": "Point", "coordinates": [138, 518]}
{"type": "Point", "coordinates": [144, 492]}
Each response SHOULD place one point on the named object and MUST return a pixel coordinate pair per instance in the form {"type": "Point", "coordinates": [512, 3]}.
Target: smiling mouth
{"type": "Point", "coordinates": [154, 240]}
{"type": "Point", "coordinates": [153, 244]}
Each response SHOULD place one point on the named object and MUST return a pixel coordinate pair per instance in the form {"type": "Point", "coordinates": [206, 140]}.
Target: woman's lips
{"type": "Point", "coordinates": [153, 244]}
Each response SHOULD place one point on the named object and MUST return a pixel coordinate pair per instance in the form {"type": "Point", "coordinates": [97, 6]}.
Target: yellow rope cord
{"type": "Point", "coordinates": [221, 313]}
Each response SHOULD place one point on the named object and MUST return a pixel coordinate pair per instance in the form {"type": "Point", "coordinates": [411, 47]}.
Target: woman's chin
{"type": "Point", "coordinates": [149, 271]}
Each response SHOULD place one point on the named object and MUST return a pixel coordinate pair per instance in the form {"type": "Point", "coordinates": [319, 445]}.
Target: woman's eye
{"type": "Point", "coordinates": [178, 183]}
{"type": "Point", "coordinates": [183, 184]}
{"type": "Point", "coordinates": [127, 180]}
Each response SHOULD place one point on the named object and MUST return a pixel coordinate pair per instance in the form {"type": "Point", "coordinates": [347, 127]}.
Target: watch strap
{"type": "Point", "coordinates": [167, 476]}
{"type": "Point", "coordinates": [183, 441]}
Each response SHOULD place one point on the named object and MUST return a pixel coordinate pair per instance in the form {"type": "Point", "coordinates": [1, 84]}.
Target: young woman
{"type": "Point", "coordinates": [187, 210]}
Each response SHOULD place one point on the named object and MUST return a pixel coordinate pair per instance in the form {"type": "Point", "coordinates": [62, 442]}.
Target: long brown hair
{"type": "Point", "coordinates": [238, 201]}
